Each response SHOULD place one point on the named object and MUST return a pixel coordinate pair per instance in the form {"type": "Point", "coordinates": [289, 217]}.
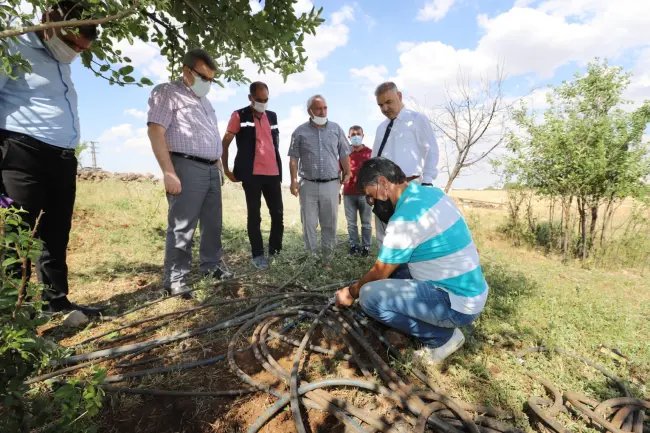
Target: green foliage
{"type": "Point", "coordinates": [272, 38]}
{"type": "Point", "coordinates": [588, 151]}
{"type": "Point", "coordinates": [23, 352]}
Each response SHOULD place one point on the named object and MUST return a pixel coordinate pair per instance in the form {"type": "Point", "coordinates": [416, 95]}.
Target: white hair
{"type": "Point", "coordinates": [311, 100]}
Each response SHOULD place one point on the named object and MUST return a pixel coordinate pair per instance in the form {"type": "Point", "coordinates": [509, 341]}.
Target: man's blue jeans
{"type": "Point", "coordinates": [413, 307]}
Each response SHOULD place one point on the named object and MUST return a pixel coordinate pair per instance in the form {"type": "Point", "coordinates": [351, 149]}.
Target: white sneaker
{"type": "Point", "coordinates": [430, 355]}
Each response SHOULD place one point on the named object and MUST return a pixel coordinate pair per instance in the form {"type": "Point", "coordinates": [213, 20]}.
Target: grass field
{"type": "Point", "coordinates": [116, 255]}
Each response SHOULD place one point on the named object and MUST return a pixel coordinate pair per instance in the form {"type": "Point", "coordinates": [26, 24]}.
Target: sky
{"type": "Point", "coordinates": [421, 45]}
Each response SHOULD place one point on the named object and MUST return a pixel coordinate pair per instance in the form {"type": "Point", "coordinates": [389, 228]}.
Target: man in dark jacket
{"type": "Point", "coordinates": [258, 167]}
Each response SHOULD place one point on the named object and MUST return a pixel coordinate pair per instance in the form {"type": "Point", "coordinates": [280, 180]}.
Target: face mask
{"type": "Point", "coordinates": [61, 52]}
{"type": "Point", "coordinates": [384, 209]}
{"type": "Point", "coordinates": [320, 121]}
{"type": "Point", "coordinates": [356, 140]}
{"type": "Point", "coordinates": [259, 107]}
{"type": "Point", "coordinates": [200, 87]}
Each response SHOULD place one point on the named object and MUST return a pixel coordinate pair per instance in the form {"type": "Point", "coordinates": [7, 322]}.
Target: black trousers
{"type": "Point", "coordinates": [271, 188]}
{"type": "Point", "coordinates": [38, 177]}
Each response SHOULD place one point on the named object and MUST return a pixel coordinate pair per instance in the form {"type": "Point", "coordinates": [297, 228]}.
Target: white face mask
{"type": "Point", "coordinates": [61, 52]}
{"type": "Point", "coordinates": [320, 121]}
{"type": "Point", "coordinates": [260, 107]}
{"type": "Point", "coordinates": [200, 87]}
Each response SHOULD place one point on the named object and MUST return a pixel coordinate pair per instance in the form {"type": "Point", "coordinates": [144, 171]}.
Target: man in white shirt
{"type": "Point", "coordinates": [407, 139]}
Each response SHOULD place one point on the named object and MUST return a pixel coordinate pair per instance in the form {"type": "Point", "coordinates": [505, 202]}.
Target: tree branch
{"type": "Point", "coordinates": [70, 23]}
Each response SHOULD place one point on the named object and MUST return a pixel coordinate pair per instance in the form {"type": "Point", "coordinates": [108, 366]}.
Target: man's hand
{"type": "Point", "coordinates": [172, 183]}
{"type": "Point", "coordinates": [344, 298]}
{"type": "Point", "coordinates": [346, 177]}
{"type": "Point", "coordinates": [295, 188]}
{"type": "Point", "coordinates": [231, 176]}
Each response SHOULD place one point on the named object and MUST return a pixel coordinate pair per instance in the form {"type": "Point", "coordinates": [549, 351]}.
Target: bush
{"type": "Point", "coordinates": [23, 352]}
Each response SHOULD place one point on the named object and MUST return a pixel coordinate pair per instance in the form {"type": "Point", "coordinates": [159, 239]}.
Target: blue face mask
{"type": "Point", "coordinates": [356, 140]}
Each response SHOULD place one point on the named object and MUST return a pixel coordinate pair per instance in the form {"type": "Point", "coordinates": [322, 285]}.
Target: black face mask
{"type": "Point", "coordinates": [384, 209]}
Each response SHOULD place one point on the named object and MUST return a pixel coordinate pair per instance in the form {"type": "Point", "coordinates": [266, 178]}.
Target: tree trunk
{"type": "Point", "coordinates": [566, 209]}
{"type": "Point", "coordinates": [452, 177]}
{"type": "Point", "coordinates": [593, 226]}
{"type": "Point", "coordinates": [551, 208]}
{"type": "Point", "coordinates": [582, 209]}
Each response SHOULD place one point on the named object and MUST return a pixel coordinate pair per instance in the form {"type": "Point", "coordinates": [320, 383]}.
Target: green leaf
{"type": "Point", "coordinates": [104, 68]}
{"type": "Point", "coordinates": [129, 79]}
{"type": "Point", "coordinates": [126, 70]}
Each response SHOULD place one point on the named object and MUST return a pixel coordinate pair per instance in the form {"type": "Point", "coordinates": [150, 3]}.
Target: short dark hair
{"type": "Point", "coordinates": [72, 10]}
{"type": "Point", "coordinates": [386, 87]}
{"type": "Point", "coordinates": [257, 85]}
{"type": "Point", "coordinates": [379, 166]}
{"type": "Point", "coordinates": [355, 128]}
{"type": "Point", "coordinates": [192, 56]}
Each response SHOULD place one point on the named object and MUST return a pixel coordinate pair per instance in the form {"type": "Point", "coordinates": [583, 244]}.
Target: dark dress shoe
{"type": "Point", "coordinates": [64, 306]}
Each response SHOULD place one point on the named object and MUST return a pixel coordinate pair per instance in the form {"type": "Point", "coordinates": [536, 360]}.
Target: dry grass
{"type": "Point", "coordinates": [116, 259]}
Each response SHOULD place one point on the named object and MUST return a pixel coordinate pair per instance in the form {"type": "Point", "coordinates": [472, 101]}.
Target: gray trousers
{"type": "Point", "coordinates": [319, 203]}
{"type": "Point", "coordinates": [380, 231]}
{"type": "Point", "coordinates": [357, 205]}
{"type": "Point", "coordinates": [199, 200]}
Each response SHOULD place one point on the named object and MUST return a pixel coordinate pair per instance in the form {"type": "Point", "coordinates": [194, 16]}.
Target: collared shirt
{"type": "Point", "coordinates": [265, 163]}
{"type": "Point", "coordinates": [357, 158]}
{"type": "Point", "coordinates": [411, 145]}
{"type": "Point", "coordinates": [319, 150]}
{"type": "Point", "coordinates": [428, 232]}
{"type": "Point", "coordinates": [41, 103]}
{"type": "Point", "coordinates": [190, 122]}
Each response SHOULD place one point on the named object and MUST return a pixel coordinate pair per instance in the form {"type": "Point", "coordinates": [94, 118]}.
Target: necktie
{"type": "Point", "coordinates": [386, 134]}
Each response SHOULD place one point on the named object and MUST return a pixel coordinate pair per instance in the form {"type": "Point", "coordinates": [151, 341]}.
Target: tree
{"type": "Point", "coordinates": [472, 121]}
{"type": "Point", "coordinates": [588, 150]}
{"type": "Point", "coordinates": [229, 30]}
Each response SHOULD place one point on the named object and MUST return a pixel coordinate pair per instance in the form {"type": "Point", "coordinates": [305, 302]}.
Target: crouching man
{"type": "Point", "coordinates": [444, 288]}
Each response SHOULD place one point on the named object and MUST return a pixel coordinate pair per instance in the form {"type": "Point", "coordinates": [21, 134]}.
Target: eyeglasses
{"type": "Point", "coordinates": [203, 77]}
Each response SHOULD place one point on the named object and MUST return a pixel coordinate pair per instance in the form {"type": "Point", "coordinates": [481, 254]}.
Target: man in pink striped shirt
{"type": "Point", "coordinates": [258, 167]}
{"type": "Point", "coordinates": [183, 130]}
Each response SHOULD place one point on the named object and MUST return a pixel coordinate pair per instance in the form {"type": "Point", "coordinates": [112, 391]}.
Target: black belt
{"type": "Point", "coordinates": [37, 144]}
{"type": "Point", "coordinates": [195, 158]}
{"type": "Point", "coordinates": [323, 180]}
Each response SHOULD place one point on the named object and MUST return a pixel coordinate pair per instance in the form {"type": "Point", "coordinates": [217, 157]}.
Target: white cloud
{"type": "Point", "coordinates": [302, 6]}
{"type": "Point", "coordinates": [116, 132]}
{"type": "Point", "coordinates": [375, 75]}
{"type": "Point", "coordinates": [346, 13]}
{"type": "Point", "coordinates": [139, 141]}
{"type": "Point", "coordinates": [530, 40]}
{"type": "Point", "coordinates": [146, 58]}
{"type": "Point", "coordinates": [328, 38]}
{"type": "Point", "coordinates": [435, 10]}
{"type": "Point", "coordinates": [255, 5]}
{"type": "Point", "coordinates": [135, 113]}
{"type": "Point", "coordinates": [639, 89]}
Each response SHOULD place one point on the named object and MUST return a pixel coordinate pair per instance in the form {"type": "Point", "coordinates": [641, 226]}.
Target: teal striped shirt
{"type": "Point", "coordinates": [429, 233]}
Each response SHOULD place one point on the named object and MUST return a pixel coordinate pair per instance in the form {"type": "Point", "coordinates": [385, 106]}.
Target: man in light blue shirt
{"type": "Point", "coordinates": [39, 131]}
{"type": "Point", "coordinates": [444, 288]}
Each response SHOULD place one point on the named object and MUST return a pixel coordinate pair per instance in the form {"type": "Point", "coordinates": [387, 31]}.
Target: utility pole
{"type": "Point", "coordinates": [93, 150]}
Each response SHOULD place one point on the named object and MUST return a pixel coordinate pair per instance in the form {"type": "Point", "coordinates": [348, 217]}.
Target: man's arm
{"type": "Point", "coordinates": [429, 148]}
{"type": "Point", "coordinates": [380, 271]}
{"type": "Point", "coordinates": [227, 139]}
{"type": "Point", "coordinates": [344, 155]}
{"type": "Point", "coordinates": [160, 148]}
{"type": "Point", "coordinates": [293, 169]}
{"type": "Point", "coordinates": [345, 162]}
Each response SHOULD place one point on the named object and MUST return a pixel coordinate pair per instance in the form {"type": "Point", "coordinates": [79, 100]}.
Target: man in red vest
{"type": "Point", "coordinates": [258, 167]}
